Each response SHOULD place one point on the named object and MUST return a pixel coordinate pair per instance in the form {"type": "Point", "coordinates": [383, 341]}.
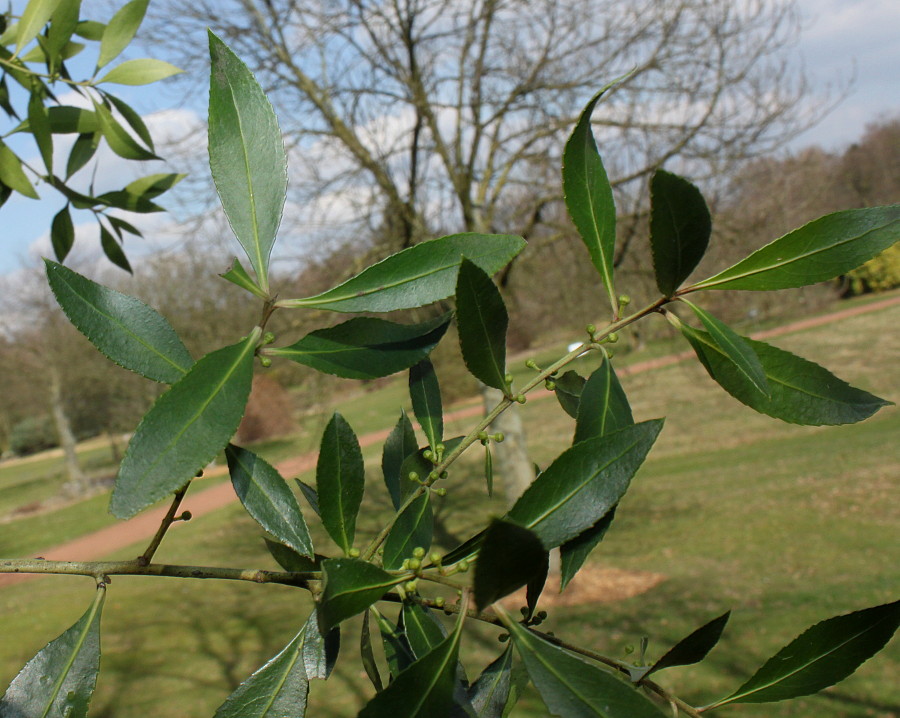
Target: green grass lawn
{"type": "Point", "coordinates": [784, 525]}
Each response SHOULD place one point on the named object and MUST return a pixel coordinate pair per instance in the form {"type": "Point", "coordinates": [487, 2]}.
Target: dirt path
{"type": "Point", "coordinates": [101, 543]}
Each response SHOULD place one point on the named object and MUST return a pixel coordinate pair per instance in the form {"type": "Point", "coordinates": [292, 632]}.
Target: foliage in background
{"type": "Point", "coordinates": [571, 505]}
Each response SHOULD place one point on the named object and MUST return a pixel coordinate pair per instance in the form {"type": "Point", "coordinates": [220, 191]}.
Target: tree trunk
{"type": "Point", "coordinates": [76, 481]}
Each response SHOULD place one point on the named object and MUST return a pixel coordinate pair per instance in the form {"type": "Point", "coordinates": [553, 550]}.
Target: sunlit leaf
{"type": "Point", "coordinates": [12, 174]}
{"type": "Point", "coordinates": [34, 17]}
{"type": "Point", "coordinates": [340, 481]}
{"type": "Point", "coordinates": [142, 71]}
{"type": "Point", "coordinates": [351, 586]}
{"type": "Point", "coordinates": [602, 405]}
{"type": "Point", "coordinates": [120, 31]}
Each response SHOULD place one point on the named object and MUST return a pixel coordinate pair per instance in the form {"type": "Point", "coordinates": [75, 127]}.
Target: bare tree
{"type": "Point", "coordinates": [406, 118]}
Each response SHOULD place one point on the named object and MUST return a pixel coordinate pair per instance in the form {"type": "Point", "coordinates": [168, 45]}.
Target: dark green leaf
{"type": "Point", "coordinates": [12, 174]}
{"type": "Point", "coordinates": [267, 498]}
{"type": "Point", "coordinates": [589, 197]}
{"type": "Point", "coordinates": [320, 653]}
{"type": "Point", "coordinates": [416, 463]}
{"type": "Point", "coordinates": [340, 481]}
{"type": "Point", "coordinates": [535, 586]}
{"type": "Point", "coordinates": [279, 688]}
{"type": "Point", "coordinates": [123, 328]}
{"type": "Point", "coordinates": [603, 407]}
{"type": "Point", "coordinates": [824, 654]}
{"type": "Point", "coordinates": [311, 496]}
{"type": "Point", "coordinates": [416, 276]}
{"type": "Point", "coordinates": [823, 249]}
{"type": "Point", "coordinates": [136, 122]}
{"type": "Point", "coordinates": [482, 320]}
{"type": "Point", "coordinates": [568, 392]}
{"type": "Point", "coordinates": [236, 274]}
{"type": "Point", "coordinates": [82, 151]}
{"type": "Point", "coordinates": [59, 35]}
{"type": "Point", "coordinates": [412, 529]}
{"type": "Point", "coordinates": [497, 689]}
{"type": "Point", "coordinates": [62, 233]}
{"type": "Point", "coordinates": [120, 225]}
{"type": "Point", "coordinates": [60, 679]}
{"type": "Point", "coordinates": [489, 469]}
{"type": "Point", "coordinates": [692, 648]}
{"type": "Point", "coordinates": [113, 250]}
{"type": "Point", "coordinates": [800, 392]}
{"type": "Point", "coordinates": [118, 138]}
{"type": "Point", "coordinates": [39, 124]}
{"type": "Point", "coordinates": [466, 549]}
{"type": "Point", "coordinates": [366, 348]}
{"type": "Point", "coordinates": [246, 156]}
{"type": "Point", "coordinates": [425, 394]}
{"type": "Point", "coordinates": [425, 688]}
{"type": "Point", "coordinates": [151, 186]}
{"type": "Point", "coordinates": [422, 629]}
{"type": "Point", "coordinates": [142, 71]}
{"type": "Point", "coordinates": [351, 586]}
{"type": "Point", "coordinates": [510, 556]}
{"type": "Point", "coordinates": [401, 442]}
{"type": "Point", "coordinates": [4, 99]}
{"type": "Point", "coordinates": [680, 226]}
{"type": "Point", "coordinates": [584, 483]}
{"type": "Point", "coordinates": [120, 31]}
{"type": "Point", "coordinates": [397, 652]}
{"type": "Point", "coordinates": [734, 347]}
{"type": "Point", "coordinates": [368, 655]}
{"type": "Point", "coordinates": [290, 560]}
{"type": "Point", "coordinates": [574, 688]}
{"type": "Point", "coordinates": [185, 428]}
{"type": "Point", "coordinates": [574, 552]}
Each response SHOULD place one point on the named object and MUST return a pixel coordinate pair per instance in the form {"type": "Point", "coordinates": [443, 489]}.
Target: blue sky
{"type": "Point", "coordinates": [842, 40]}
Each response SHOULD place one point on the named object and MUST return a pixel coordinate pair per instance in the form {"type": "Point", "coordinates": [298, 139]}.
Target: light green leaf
{"type": "Point", "coordinates": [510, 557]}
{"type": "Point", "coordinates": [583, 483]}
{"type": "Point", "coordinates": [123, 328]}
{"type": "Point", "coordinates": [142, 71]}
{"type": "Point", "coordinates": [824, 654]}
{"type": "Point", "coordinates": [340, 481]}
{"type": "Point", "coordinates": [117, 137]}
{"type": "Point", "coordinates": [12, 174]}
{"type": "Point", "coordinates": [185, 428]}
{"type": "Point", "coordinates": [59, 36]}
{"type": "Point", "coordinates": [236, 274]}
{"type": "Point", "coordinates": [90, 30]}
{"type": "Point", "coordinates": [412, 529]}
{"type": "Point", "coordinates": [425, 688]}
{"type": "Point", "coordinates": [425, 394]}
{"type": "Point", "coordinates": [34, 17]}
{"type": "Point", "coordinates": [120, 31]}
{"type": "Point", "coordinates": [351, 586]}
{"type": "Point", "coordinates": [800, 391]}
{"type": "Point", "coordinates": [246, 156]}
{"type": "Point", "coordinates": [60, 679]}
{"type": "Point", "coordinates": [573, 688]}
{"type": "Point", "coordinates": [134, 120]}
{"type": "Point", "coordinates": [823, 249]}
{"type": "Point", "coordinates": [366, 347]}
{"type": "Point", "coordinates": [589, 197]}
{"type": "Point", "coordinates": [267, 498]}
{"type": "Point", "coordinates": [680, 226]}
{"type": "Point", "coordinates": [39, 124]}
{"type": "Point", "coordinates": [602, 406]}
{"type": "Point", "coordinates": [416, 276]}
{"type": "Point", "coordinates": [735, 347]}
{"type": "Point", "coordinates": [482, 321]}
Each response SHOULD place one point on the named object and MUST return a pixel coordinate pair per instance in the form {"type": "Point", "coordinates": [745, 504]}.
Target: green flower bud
{"type": "Point", "coordinates": [624, 300]}
{"type": "Point", "coordinates": [428, 454]}
{"type": "Point", "coordinates": [591, 329]}
{"type": "Point", "coordinates": [414, 564]}
{"type": "Point", "coordinates": [435, 558]}
{"type": "Point", "coordinates": [612, 337]}
{"type": "Point", "coordinates": [462, 566]}
{"type": "Point", "coordinates": [532, 364]}
{"type": "Point", "coordinates": [498, 437]}
{"type": "Point", "coordinates": [520, 398]}
{"type": "Point", "coordinates": [418, 552]}
{"type": "Point", "coordinates": [265, 361]}
{"type": "Point", "coordinates": [441, 491]}
{"type": "Point", "coordinates": [268, 338]}
{"type": "Point", "coordinates": [439, 602]}
{"type": "Point", "coordinates": [353, 553]}
{"type": "Point", "coordinates": [413, 476]}
{"type": "Point", "coordinates": [550, 385]}
{"type": "Point", "coordinates": [411, 586]}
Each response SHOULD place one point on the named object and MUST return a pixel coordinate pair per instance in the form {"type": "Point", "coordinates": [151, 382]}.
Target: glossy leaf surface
{"type": "Point", "coordinates": [401, 442]}
{"type": "Point", "coordinates": [419, 275]}
{"type": "Point", "coordinates": [60, 679]}
{"type": "Point", "coordinates": [267, 498]}
{"type": "Point", "coordinates": [574, 552]}
{"type": "Point", "coordinates": [351, 586]}
{"type": "Point", "coordinates": [340, 481]}
{"type": "Point", "coordinates": [185, 428]}
{"type": "Point", "coordinates": [734, 347]}
{"type": "Point", "coordinates": [589, 197]}
{"type": "Point", "coordinates": [692, 648]}
{"type": "Point", "coordinates": [574, 688]}
{"type": "Point", "coordinates": [680, 226]}
{"type": "Point", "coordinates": [123, 328]}
{"type": "Point", "coordinates": [823, 249]}
{"type": "Point", "coordinates": [246, 156]}
{"type": "Point", "coordinates": [602, 406]}
{"type": "Point", "coordinates": [481, 320]}
{"type": "Point", "coordinates": [425, 688]}
{"type": "Point", "coordinates": [425, 394]}
{"type": "Point", "coordinates": [568, 392]}
{"type": "Point", "coordinates": [412, 529]}
{"type": "Point", "coordinates": [800, 391]}
{"type": "Point", "coordinates": [824, 654]}
{"type": "Point", "coordinates": [367, 654]}
{"type": "Point", "coordinates": [510, 556]}
{"type": "Point", "coordinates": [495, 692]}
{"type": "Point", "coordinates": [291, 560]}
{"type": "Point", "coordinates": [365, 347]}
{"type": "Point", "coordinates": [583, 483]}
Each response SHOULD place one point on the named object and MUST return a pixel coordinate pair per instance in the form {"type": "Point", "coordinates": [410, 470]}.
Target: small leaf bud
{"type": "Point", "coordinates": [444, 475]}
{"type": "Point", "coordinates": [612, 337]}
{"type": "Point", "coordinates": [523, 610]}
{"type": "Point", "coordinates": [542, 615]}
{"type": "Point", "coordinates": [268, 338]}
{"type": "Point", "coordinates": [418, 552]}
{"type": "Point", "coordinates": [186, 516]}
{"type": "Point", "coordinates": [433, 476]}
{"type": "Point", "coordinates": [508, 378]}
{"type": "Point", "coordinates": [404, 565]}
{"type": "Point", "coordinates": [440, 447]}
{"type": "Point", "coordinates": [265, 361]}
